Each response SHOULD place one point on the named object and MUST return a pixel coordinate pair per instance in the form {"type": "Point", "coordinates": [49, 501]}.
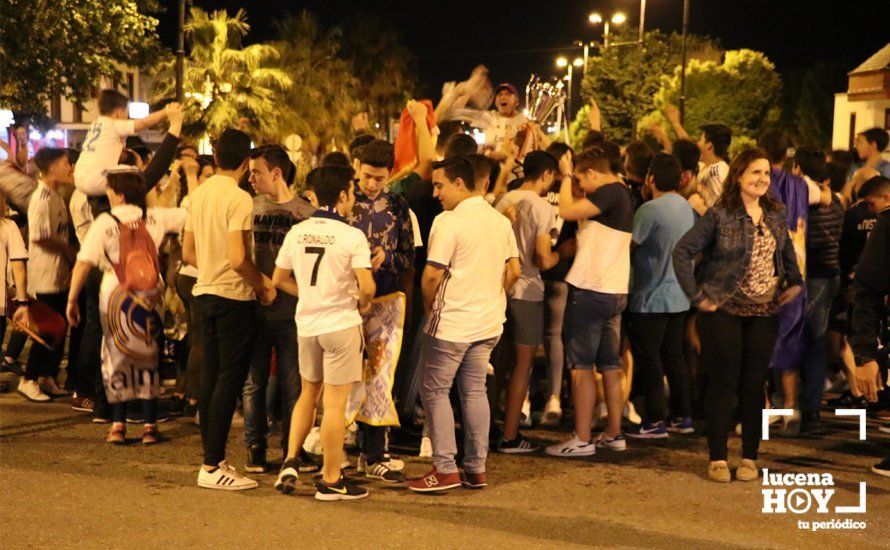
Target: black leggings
{"type": "Point", "coordinates": [149, 411]}
{"type": "Point", "coordinates": [735, 353]}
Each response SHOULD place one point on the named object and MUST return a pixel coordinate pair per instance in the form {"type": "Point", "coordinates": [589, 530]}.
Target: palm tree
{"type": "Point", "coordinates": [323, 98]}
{"type": "Point", "coordinates": [225, 82]}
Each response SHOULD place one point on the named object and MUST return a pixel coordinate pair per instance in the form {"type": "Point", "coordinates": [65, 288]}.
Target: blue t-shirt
{"type": "Point", "coordinates": [658, 226]}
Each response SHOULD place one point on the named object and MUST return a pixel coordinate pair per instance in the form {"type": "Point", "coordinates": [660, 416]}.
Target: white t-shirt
{"type": "Point", "coordinates": [101, 150]}
{"type": "Point", "coordinates": [418, 238]}
{"type": "Point", "coordinates": [12, 248]}
{"type": "Point", "coordinates": [102, 242]}
{"type": "Point", "coordinates": [322, 252]}
{"type": "Point", "coordinates": [48, 272]}
{"type": "Point", "coordinates": [472, 242]}
{"type": "Point", "coordinates": [534, 217]}
{"type": "Point", "coordinates": [710, 182]}
{"type": "Point", "coordinates": [81, 214]}
{"type": "Point", "coordinates": [501, 129]}
{"type": "Point", "coordinates": [186, 269]}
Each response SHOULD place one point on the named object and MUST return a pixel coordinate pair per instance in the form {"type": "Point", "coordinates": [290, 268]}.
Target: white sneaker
{"type": "Point", "coordinates": [49, 386]}
{"type": "Point", "coordinates": [225, 478]}
{"type": "Point", "coordinates": [630, 413]}
{"type": "Point", "coordinates": [525, 417]}
{"type": "Point", "coordinates": [426, 447]}
{"type": "Point", "coordinates": [393, 464]}
{"type": "Point", "coordinates": [571, 448]}
{"type": "Point", "coordinates": [552, 412]}
{"type": "Point", "coordinates": [351, 433]}
{"type": "Point", "coordinates": [616, 443]}
{"type": "Point", "coordinates": [312, 443]}
{"type": "Point", "coordinates": [31, 390]}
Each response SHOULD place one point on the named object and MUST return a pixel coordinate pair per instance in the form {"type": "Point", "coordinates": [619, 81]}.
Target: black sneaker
{"type": "Point", "coordinates": [11, 365]}
{"type": "Point", "coordinates": [307, 463]}
{"type": "Point", "coordinates": [256, 460]}
{"type": "Point", "coordinates": [519, 445]}
{"type": "Point", "coordinates": [811, 425]}
{"type": "Point", "coordinates": [342, 490]}
{"type": "Point", "coordinates": [882, 468]}
{"type": "Point", "coordinates": [847, 401]}
{"type": "Point", "coordinates": [177, 406]}
{"type": "Point", "coordinates": [287, 477]}
{"type": "Point", "coordinates": [383, 472]}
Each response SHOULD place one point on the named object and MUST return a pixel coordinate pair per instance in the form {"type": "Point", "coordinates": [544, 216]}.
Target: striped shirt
{"type": "Point", "coordinates": [602, 262]}
{"type": "Point", "coordinates": [48, 272]}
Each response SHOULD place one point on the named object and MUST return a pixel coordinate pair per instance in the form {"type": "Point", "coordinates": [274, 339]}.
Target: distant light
{"type": "Point", "coordinates": [618, 18]}
{"type": "Point", "coordinates": [35, 135]}
{"type": "Point", "coordinates": [138, 109]}
{"type": "Point", "coordinates": [54, 134]}
{"type": "Point", "coordinates": [6, 118]}
{"type": "Point", "coordinates": [562, 61]}
{"type": "Point", "coordinates": [376, 125]}
{"type": "Point", "coordinates": [479, 136]}
{"type": "Point", "coordinates": [578, 62]}
{"type": "Point", "coordinates": [595, 18]}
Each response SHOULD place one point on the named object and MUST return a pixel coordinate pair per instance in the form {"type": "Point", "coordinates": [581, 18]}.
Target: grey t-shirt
{"type": "Point", "coordinates": [534, 217]}
{"type": "Point", "coordinates": [271, 222]}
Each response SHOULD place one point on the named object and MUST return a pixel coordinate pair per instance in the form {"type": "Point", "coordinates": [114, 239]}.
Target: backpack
{"type": "Point", "coordinates": [137, 268]}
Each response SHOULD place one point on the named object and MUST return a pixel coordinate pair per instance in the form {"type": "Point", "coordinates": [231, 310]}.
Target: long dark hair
{"type": "Point", "coordinates": [731, 198]}
{"type": "Point", "coordinates": [131, 185]}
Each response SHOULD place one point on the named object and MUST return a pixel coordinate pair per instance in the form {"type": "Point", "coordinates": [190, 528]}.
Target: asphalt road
{"type": "Point", "coordinates": [64, 487]}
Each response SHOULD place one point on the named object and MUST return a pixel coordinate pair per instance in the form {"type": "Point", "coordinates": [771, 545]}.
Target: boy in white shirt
{"type": "Point", "coordinates": [469, 267]}
{"type": "Point", "coordinates": [327, 264]}
{"type": "Point", "coordinates": [105, 140]}
{"type": "Point", "coordinates": [49, 268]}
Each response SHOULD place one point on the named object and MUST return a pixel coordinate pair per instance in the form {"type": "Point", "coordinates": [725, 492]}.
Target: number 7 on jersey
{"type": "Point", "coordinates": [320, 252]}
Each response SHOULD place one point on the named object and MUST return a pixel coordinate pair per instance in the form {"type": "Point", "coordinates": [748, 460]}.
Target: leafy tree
{"type": "Point", "coordinates": [62, 47]}
{"type": "Point", "coordinates": [742, 92]}
{"type": "Point", "coordinates": [225, 82]}
{"type": "Point", "coordinates": [381, 62]}
{"type": "Point", "coordinates": [320, 104]}
{"type": "Point", "coordinates": [624, 80]}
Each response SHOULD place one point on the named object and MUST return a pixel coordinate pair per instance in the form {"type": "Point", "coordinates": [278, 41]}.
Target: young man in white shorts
{"type": "Point", "coordinates": [326, 263]}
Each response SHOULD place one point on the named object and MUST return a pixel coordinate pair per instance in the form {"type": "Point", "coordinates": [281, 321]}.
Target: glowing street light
{"type": "Point", "coordinates": [562, 62]}
{"type": "Point", "coordinates": [618, 18]}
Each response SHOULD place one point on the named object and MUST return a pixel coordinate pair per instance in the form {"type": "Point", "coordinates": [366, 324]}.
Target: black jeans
{"type": "Point", "coordinates": [89, 356]}
{"type": "Point", "coordinates": [189, 359]}
{"type": "Point", "coordinates": [41, 361]}
{"type": "Point", "coordinates": [280, 335]}
{"type": "Point", "coordinates": [149, 410]}
{"type": "Point", "coordinates": [656, 340]}
{"type": "Point", "coordinates": [373, 442]}
{"type": "Point", "coordinates": [735, 354]}
{"type": "Point", "coordinates": [229, 332]}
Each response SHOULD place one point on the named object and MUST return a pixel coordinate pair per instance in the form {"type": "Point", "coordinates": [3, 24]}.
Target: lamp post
{"type": "Point", "coordinates": [683, 62]}
{"type": "Point", "coordinates": [180, 51]}
{"type": "Point", "coordinates": [617, 18]}
{"type": "Point", "coordinates": [563, 62]}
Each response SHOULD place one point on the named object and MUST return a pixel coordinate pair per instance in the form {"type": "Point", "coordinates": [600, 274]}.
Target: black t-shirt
{"type": "Point", "coordinates": [616, 204]}
{"type": "Point", "coordinates": [858, 223]}
{"type": "Point", "coordinates": [426, 207]}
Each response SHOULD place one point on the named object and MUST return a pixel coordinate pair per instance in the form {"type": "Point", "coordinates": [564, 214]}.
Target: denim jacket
{"type": "Point", "coordinates": [725, 240]}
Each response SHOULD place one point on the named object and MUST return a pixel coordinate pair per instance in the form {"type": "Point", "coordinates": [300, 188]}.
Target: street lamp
{"type": "Point", "coordinates": [563, 63]}
{"type": "Point", "coordinates": [617, 18]}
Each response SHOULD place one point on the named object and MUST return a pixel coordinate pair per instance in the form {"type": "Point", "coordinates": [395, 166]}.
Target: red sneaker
{"type": "Point", "coordinates": [434, 482]}
{"type": "Point", "coordinates": [475, 481]}
{"type": "Point", "coordinates": [150, 434]}
{"type": "Point", "coordinates": [117, 434]}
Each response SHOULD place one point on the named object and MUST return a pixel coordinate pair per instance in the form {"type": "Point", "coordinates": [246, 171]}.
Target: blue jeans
{"type": "Point", "coordinates": [442, 362]}
{"type": "Point", "coordinates": [282, 336]}
{"type": "Point", "coordinates": [820, 294]}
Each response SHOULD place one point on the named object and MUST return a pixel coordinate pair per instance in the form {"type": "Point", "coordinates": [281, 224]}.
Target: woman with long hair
{"type": "Point", "coordinates": [747, 271]}
{"type": "Point", "coordinates": [129, 309]}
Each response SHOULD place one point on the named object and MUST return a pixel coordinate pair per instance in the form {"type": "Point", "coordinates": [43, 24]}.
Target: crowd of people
{"type": "Point", "coordinates": [746, 281]}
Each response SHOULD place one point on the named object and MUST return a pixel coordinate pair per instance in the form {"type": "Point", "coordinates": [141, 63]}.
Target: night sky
{"type": "Point", "coordinates": [521, 37]}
